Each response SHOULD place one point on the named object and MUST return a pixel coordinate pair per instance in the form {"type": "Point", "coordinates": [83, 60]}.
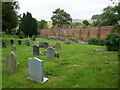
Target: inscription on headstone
{"type": "Point", "coordinates": [35, 70]}
{"type": "Point", "coordinates": [11, 63]}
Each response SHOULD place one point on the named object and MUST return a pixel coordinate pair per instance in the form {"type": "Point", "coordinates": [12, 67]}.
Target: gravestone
{"type": "Point", "coordinates": [36, 51]}
{"type": "Point", "coordinates": [27, 43]}
{"type": "Point", "coordinates": [13, 47]}
{"type": "Point", "coordinates": [51, 52]}
{"type": "Point", "coordinates": [3, 44]}
{"type": "Point", "coordinates": [58, 46]}
{"type": "Point", "coordinates": [36, 70]}
{"type": "Point", "coordinates": [46, 45]}
{"type": "Point", "coordinates": [67, 41]}
{"type": "Point", "coordinates": [12, 41]}
{"type": "Point", "coordinates": [37, 43]}
{"type": "Point", "coordinates": [19, 42]}
{"type": "Point", "coordinates": [33, 37]}
{"type": "Point", "coordinates": [41, 44]}
{"type": "Point", "coordinates": [11, 63]}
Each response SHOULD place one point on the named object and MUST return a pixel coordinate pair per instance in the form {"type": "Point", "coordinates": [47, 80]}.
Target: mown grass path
{"type": "Point", "coordinates": [77, 67]}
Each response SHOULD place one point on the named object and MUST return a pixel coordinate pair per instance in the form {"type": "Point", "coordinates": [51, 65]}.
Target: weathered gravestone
{"type": "Point", "coordinates": [12, 41]}
{"type": "Point", "coordinates": [3, 44]}
{"type": "Point", "coordinates": [19, 42]}
{"type": "Point", "coordinates": [46, 45]}
{"type": "Point", "coordinates": [11, 63]}
{"type": "Point", "coordinates": [51, 52]}
{"type": "Point", "coordinates": [35, 70]}
{"type": "Point", "coordinates": [36, 51]}
{"type": "Point", "coordinates": [67, 41]}
{"type": "Point", "coordinates": [27, 43]}
{"type": "Point", "coordinates": [13, 47]}
{"type": "Point", "coordinates": [33, 37]}
{"type": "Point", "coordinates": [37, 43]}
{"type": "Point", "coordinates": [58, 46]}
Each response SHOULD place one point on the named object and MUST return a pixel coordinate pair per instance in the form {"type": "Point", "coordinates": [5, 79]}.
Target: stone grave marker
{"type": "Point", "coordinates": [36, 70]}
{"type": "Point", "coordinates": [11, 63]}
{"type": "Point", "coordinates": [12, 41]}
{"type": "Point", "coordinates": [13, 47]}
{"type": "Point", "coordinates": [58, 46]}
{"type": "Point", "coordinates": [51, 52]}
{"type": "Point", "coordinates": [19, 42]}
{"type": "Point", "coordinates": [41, 44]}
{"type": "Point", "coordinates": [36, 51]}
{"type": "Point", "coordinates": [3, 44]}
{"type": "Point", "coordinates": [33, 37]}
{"type": "Point", "coordinates": [46, 45]}
{"type": "Point", "coordinates": [37, 43]}
{"type": "Point", "coordinates": [27, 43]}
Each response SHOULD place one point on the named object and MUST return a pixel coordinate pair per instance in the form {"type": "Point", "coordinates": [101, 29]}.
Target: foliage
{"type": "Point", "coordinates": [112, 42]}
{"type": "Point", "coordinates": [86, 23]}
{"type": "Point", "coordinates": [9, 16]}
{"type": "Point", "coordinates": [42, 24]}
{"type": "Point", "coordinates": [21, 34]}
{"type": "Point", "coordinates": [60, 18]}
{"type": "Point", "coordinates": [28, 25]}
{"type": "Point", "coordinates": [95, 17]}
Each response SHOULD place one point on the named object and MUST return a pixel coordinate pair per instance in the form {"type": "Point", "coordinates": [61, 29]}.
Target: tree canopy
{"type": "Point", "coordinates": [28, 25]}
{"type": "Point", "coordinates": [9, 16]}
{"type": "Point", "coordinates": [42, 24]}
{"type": "Point", "coordinates": [60, 18]}
{"type": "Point", "coordinates": [85, 22]}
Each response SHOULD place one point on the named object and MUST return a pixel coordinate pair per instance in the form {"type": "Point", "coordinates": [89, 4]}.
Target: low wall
{"type": "Point", "coordinates": [93, 32]}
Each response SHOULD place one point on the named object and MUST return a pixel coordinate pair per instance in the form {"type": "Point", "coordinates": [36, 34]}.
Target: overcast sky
{"type": "Point", "coordinates": [78, 9]}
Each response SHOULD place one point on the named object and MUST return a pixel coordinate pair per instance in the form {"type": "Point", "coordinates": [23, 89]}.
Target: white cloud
{"type": "Point", "coordinates": [78, 9]}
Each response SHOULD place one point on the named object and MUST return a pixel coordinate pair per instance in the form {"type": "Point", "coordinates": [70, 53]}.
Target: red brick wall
{"type": "Point", "coordinates": [93, 32]}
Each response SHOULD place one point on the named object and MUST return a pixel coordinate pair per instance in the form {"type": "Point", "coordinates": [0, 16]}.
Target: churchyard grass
{"type": "Point", "coordinates": [78, 66]}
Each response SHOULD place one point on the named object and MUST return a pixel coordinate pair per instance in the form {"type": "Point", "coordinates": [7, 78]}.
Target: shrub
{"type": "Point", "coordinates": [21, 34]}
{"type": "Point", "coordinates": [112, 42]}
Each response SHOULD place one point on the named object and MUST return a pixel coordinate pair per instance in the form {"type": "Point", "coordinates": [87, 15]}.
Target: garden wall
{"type": "Point", "coordinates": [93, 32]}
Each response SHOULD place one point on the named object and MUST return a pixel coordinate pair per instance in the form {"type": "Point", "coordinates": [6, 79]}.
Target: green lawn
{"type": "Point", "coordinates": [77, 67]}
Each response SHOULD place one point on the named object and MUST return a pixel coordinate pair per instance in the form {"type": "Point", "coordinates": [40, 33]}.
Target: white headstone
{"type": "Point", "coordinates": [35, 70]}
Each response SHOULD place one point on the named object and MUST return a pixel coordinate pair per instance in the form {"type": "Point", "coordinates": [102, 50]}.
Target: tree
{"type": "Point", "coordinates": [85, 22]}
{"type": "Point", "coordinates": [42, 24]}
{"type": "Point", "coordinates": [60, 18]}
{"type": "Point", "coordinates": [95, 17]}
{"type": "Point", "coordinates": [28, 25]}
{"type": "Point", "coordinates": [9, 16]}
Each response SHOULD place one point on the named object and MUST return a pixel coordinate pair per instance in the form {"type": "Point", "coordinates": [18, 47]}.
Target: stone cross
{"type": "Point", "coordinates": [36, 51]}
{"type": "Point", "coordinates": [11, 63]}
{"type": "Point", "coordinates": [58, 46]}
{"type": "Point", "coordinates": [51, 52]}
{"type": "Point", "coordinates": [19, 42]}
{"type": "Point", "coordinates": [12, 41]}
{"type": "Point", "coordinates": [13, 47]}
{"type": "Point", "coordinates": [3, 44]}
{"type": "Point", "coordinates": [36, 70]}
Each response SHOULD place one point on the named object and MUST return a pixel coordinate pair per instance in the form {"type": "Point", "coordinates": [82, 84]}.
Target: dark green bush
{"type": "Point", "coordinates": [112, 42]}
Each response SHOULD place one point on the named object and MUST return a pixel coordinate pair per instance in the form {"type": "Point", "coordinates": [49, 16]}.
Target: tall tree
{"type": "Point", "coordinates": [60, 18]}
{"type": "Point", "coordinates": [28, 25]}
{"type": "Point", "coordinates": [85, 22]}
{"type": "Point", "coordinates": [42, 24]}
{"type": "Point", "coordinates": [9, 16]}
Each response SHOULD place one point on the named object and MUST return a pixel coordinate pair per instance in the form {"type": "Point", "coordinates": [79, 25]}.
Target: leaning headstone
{"type": "Point", "coordinates": [36, 51]}
{"type": "Point", "coordinates": [12, 41]}
{"type": "Point", "coordinates": [33, 37]}
{"type": "Point", "coordinates": [11, 63]}
{"type": "Point", "coordinates": [36, 70]}
{"type": "Point", "coordinates": [19, 42]}
{"type": "Point", "coordinates": [37, 43]}
{"type": "Point", "coordinates": [46, 45]}
{"type": "Point", "coordinates": [3, 44]}
{"type": "Point", "coordinates": [13, 47]}
{"type": "Point", "coordinates": [58, 46]}
{"type": "Point", "coordinates": [27, 43]}
{"type": "Point", "coordinates": [51, 52]}
{"type": "Point", "coordinates": [67, 41]}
